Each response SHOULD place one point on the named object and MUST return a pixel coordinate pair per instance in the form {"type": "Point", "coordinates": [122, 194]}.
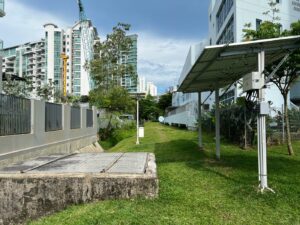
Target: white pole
{"type": "Point", "coordinates": [217, 124]}
{"type": "Point", "coordinates": [137, 121]}
{"type": "Point", "coordinates": [283, 129]}
{"type": "Point", "coordinates": [262, 134]}
{"type": "Point", "coordinates": [200, 142]}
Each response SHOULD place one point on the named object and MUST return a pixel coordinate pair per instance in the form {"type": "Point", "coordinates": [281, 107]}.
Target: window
{"type": "Point", "coordinates": [227, 35]}
{"type": "Point", "coordinates": [223, 12]}
{"type": "Point", "coordinates": [258, 22]}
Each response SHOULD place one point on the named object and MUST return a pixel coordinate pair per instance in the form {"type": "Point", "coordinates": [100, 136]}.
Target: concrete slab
{"type": "Point", "coordinates": [51, 183]}
{"type": "Point", "coordinates": [128, 163]}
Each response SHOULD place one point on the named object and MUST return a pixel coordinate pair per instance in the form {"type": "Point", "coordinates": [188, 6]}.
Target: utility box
{"type": "Point", "coordinates": [263, 108]}
{"type": "Point", "coordinates": [141, 132]}
{"type": "Point", "coordinates": [252, 81]}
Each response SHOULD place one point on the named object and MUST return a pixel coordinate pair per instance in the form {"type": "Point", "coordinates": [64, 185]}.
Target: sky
{"type": "Point", "coordinates": [166, 28]}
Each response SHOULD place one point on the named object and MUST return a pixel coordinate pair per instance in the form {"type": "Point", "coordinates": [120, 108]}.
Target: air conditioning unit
{"type": "Point", "coordinates": [252, 81]}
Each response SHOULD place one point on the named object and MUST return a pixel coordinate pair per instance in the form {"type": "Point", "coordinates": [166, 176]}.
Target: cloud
{"type": "Point", "coordinates": [23, 23]}
{"type": "Point", "coordinates": [161, 59]}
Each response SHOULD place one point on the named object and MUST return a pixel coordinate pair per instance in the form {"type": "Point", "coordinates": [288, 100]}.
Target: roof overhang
{"type": "Point", "coordinates": [221, 65]}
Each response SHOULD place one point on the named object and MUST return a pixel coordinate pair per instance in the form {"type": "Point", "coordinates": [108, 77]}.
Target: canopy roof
{"type": "Point", "coordinates": [221, 65]}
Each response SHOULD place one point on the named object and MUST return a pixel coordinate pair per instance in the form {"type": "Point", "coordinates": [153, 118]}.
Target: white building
{"type": "Point", "coordinates": [227, 19]}
{"type": "Point", "coordinates": [226, 23]}
{"type": "Point", "coordinates": [42, 59]}
{"type": "Point", "coordinates": [142, 88]}
{"type": "Point", "coordinates": [151, 89]}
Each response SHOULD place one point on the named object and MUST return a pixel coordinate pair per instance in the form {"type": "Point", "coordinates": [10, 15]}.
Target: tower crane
{"type": "Point", "coordinates": [86, 38]}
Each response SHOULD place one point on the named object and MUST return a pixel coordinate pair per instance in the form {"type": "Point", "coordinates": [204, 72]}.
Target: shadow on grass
{"type": "Point", "coordinates": [235, 165]}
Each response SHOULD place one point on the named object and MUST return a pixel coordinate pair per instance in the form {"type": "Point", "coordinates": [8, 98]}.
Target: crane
{"type": "Point", "coordinates": [65, 60]}
{"type": "Point", "coordinates": [86, 39]}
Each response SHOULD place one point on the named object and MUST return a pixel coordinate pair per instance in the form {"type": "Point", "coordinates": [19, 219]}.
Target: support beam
{"type": "Point", "coordinates": [200, 140]}
{"type": "Point", "coordinates": [217, 124]}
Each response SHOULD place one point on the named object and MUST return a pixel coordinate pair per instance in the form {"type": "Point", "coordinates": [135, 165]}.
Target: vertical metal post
{"type": "Point", "coordinates": [137, 121]}
{"type": "Point", "coordinates": [0, 74]}
{"type": "Point", "coordinates": [283, 128]}
{"type": "Point", "coordinates": [261, 124]}
{"type": "Point", "coordinates": [200, 141]}
{"type": "Point", "coordinates": [217, 123]}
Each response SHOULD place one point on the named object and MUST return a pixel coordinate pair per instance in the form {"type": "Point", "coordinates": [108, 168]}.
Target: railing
{"type": "Point", "coordinates": [15, 115]}
{"type": "Point", "coordinates": [75, 118]}
{"type": "Point", "coordinates": [53, 117]}
{"type": "Point", "coordinates": [89, 118]}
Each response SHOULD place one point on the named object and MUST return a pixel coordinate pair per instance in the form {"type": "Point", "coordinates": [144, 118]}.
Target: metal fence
{"type": "Point", "coordinates": [75, 118]}
{"type": "Point", "coordinates": [53, 117]}
{"type": "Point", "coordinates": [89, 118]}
{"type": "Point", "coordinates": [15, 115]}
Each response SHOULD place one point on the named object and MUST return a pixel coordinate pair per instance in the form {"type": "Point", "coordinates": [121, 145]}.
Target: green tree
{"type": "Point", "coordinates": [149, 108]}
{"type": "Point", "coordinates": [108, 69]}
{"type": "Point", "coordinates": [287, 74]}
{"type": "Point", "coordinates": [165, 101]}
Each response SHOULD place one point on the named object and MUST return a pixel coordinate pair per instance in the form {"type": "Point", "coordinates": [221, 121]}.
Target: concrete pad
{"type": "Point", "coordinates": [51, 183]}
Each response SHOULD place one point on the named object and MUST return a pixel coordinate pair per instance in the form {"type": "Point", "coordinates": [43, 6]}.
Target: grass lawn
{"type": "Point", "coordinates": [196, 189]}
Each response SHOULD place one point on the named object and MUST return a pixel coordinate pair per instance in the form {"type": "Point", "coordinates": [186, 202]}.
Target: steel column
{"type": "Point", "coordinates": [217, 115]}
{"type": "Point", "coordinates": [200, 140]}
{"type": "Point", "coordinates": [261, 126]}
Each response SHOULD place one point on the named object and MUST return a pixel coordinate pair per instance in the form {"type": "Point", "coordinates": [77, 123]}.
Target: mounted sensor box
{"type": "Point", "coordinates": [252, 81]}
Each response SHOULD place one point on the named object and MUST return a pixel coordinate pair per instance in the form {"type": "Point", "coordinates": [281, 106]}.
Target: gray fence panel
{"type": "Point", "coordinates": [15, 115]}
{"type": "Point", "coordinates": [75, 118]}
{"type": "Point", "coordinates": [53, 117]}
{"type": "Point", "coordinates": [89, 118]}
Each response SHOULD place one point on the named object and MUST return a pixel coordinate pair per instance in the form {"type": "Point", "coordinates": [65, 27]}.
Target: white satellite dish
{"type": "Point", "coordinates": [161, 119]}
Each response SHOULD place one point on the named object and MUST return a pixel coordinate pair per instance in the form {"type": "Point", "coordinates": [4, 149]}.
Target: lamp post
{"type": "Point", "coordinates": [137, 120]}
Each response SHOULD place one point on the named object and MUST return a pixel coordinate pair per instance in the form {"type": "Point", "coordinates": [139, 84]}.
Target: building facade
{"type": "Point", "coordinates": [42, 60]}
{"type": "Point", "coordinates": [151, 89]}
{"type": "Point", "coordinates": [129, 81]}
{"type": "Point", "coordinates": [227, 19]}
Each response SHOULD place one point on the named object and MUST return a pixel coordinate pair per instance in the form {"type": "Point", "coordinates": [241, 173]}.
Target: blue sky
{"type": "Point", "coordinates": [166, 28]}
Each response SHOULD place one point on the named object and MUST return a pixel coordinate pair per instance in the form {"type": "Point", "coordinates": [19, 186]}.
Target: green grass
{"type": "Point", "coordinates": [197, 189]}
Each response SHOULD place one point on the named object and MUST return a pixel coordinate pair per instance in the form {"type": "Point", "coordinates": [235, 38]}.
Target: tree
{"type": "Point", "coordinates": [108, 69]}
{"type": "Point", "coordinates": [287, 74]}
{"type": "Point", "coordinates": [19, 88]}
{"type": "Point", "coordinates": [149, 108]}
{"type": "Point", "coordinates": [165, 101]}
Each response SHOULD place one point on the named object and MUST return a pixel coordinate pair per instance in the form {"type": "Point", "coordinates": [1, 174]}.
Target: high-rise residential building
{"type": "Point", "coordinates": [79, 80]}
{"type": "Point", "coordinates": [27, 60]}
{"type": "Point", "coordinates": [142, 88]}
{"type": "Point", "coordinates": [129, 81]}
{"type": "Point", "coordinates": [151, 89]}
{"type": "Point", "coordinates": [42, 60]}
{"type": "Point", "coordinates": [54, 47]}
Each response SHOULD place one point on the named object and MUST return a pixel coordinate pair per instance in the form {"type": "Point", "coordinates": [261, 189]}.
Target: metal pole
{"type": "Point", "coordinates": [200, 142]}
{"type": "Point", "coordinates": [217, 123]}
{"type": "Point", "coordinates": [0, 74]}
{"type": "Point", "coordinates": [283, 129]}
{"type": "Point", "coordinates": [137, 121]}
{"type": "Point", "coordinates": [262, 134]}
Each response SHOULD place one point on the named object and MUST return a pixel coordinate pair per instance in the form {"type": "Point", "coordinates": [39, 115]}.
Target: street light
{"type": "Point", "coordinates": [138, 97]}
